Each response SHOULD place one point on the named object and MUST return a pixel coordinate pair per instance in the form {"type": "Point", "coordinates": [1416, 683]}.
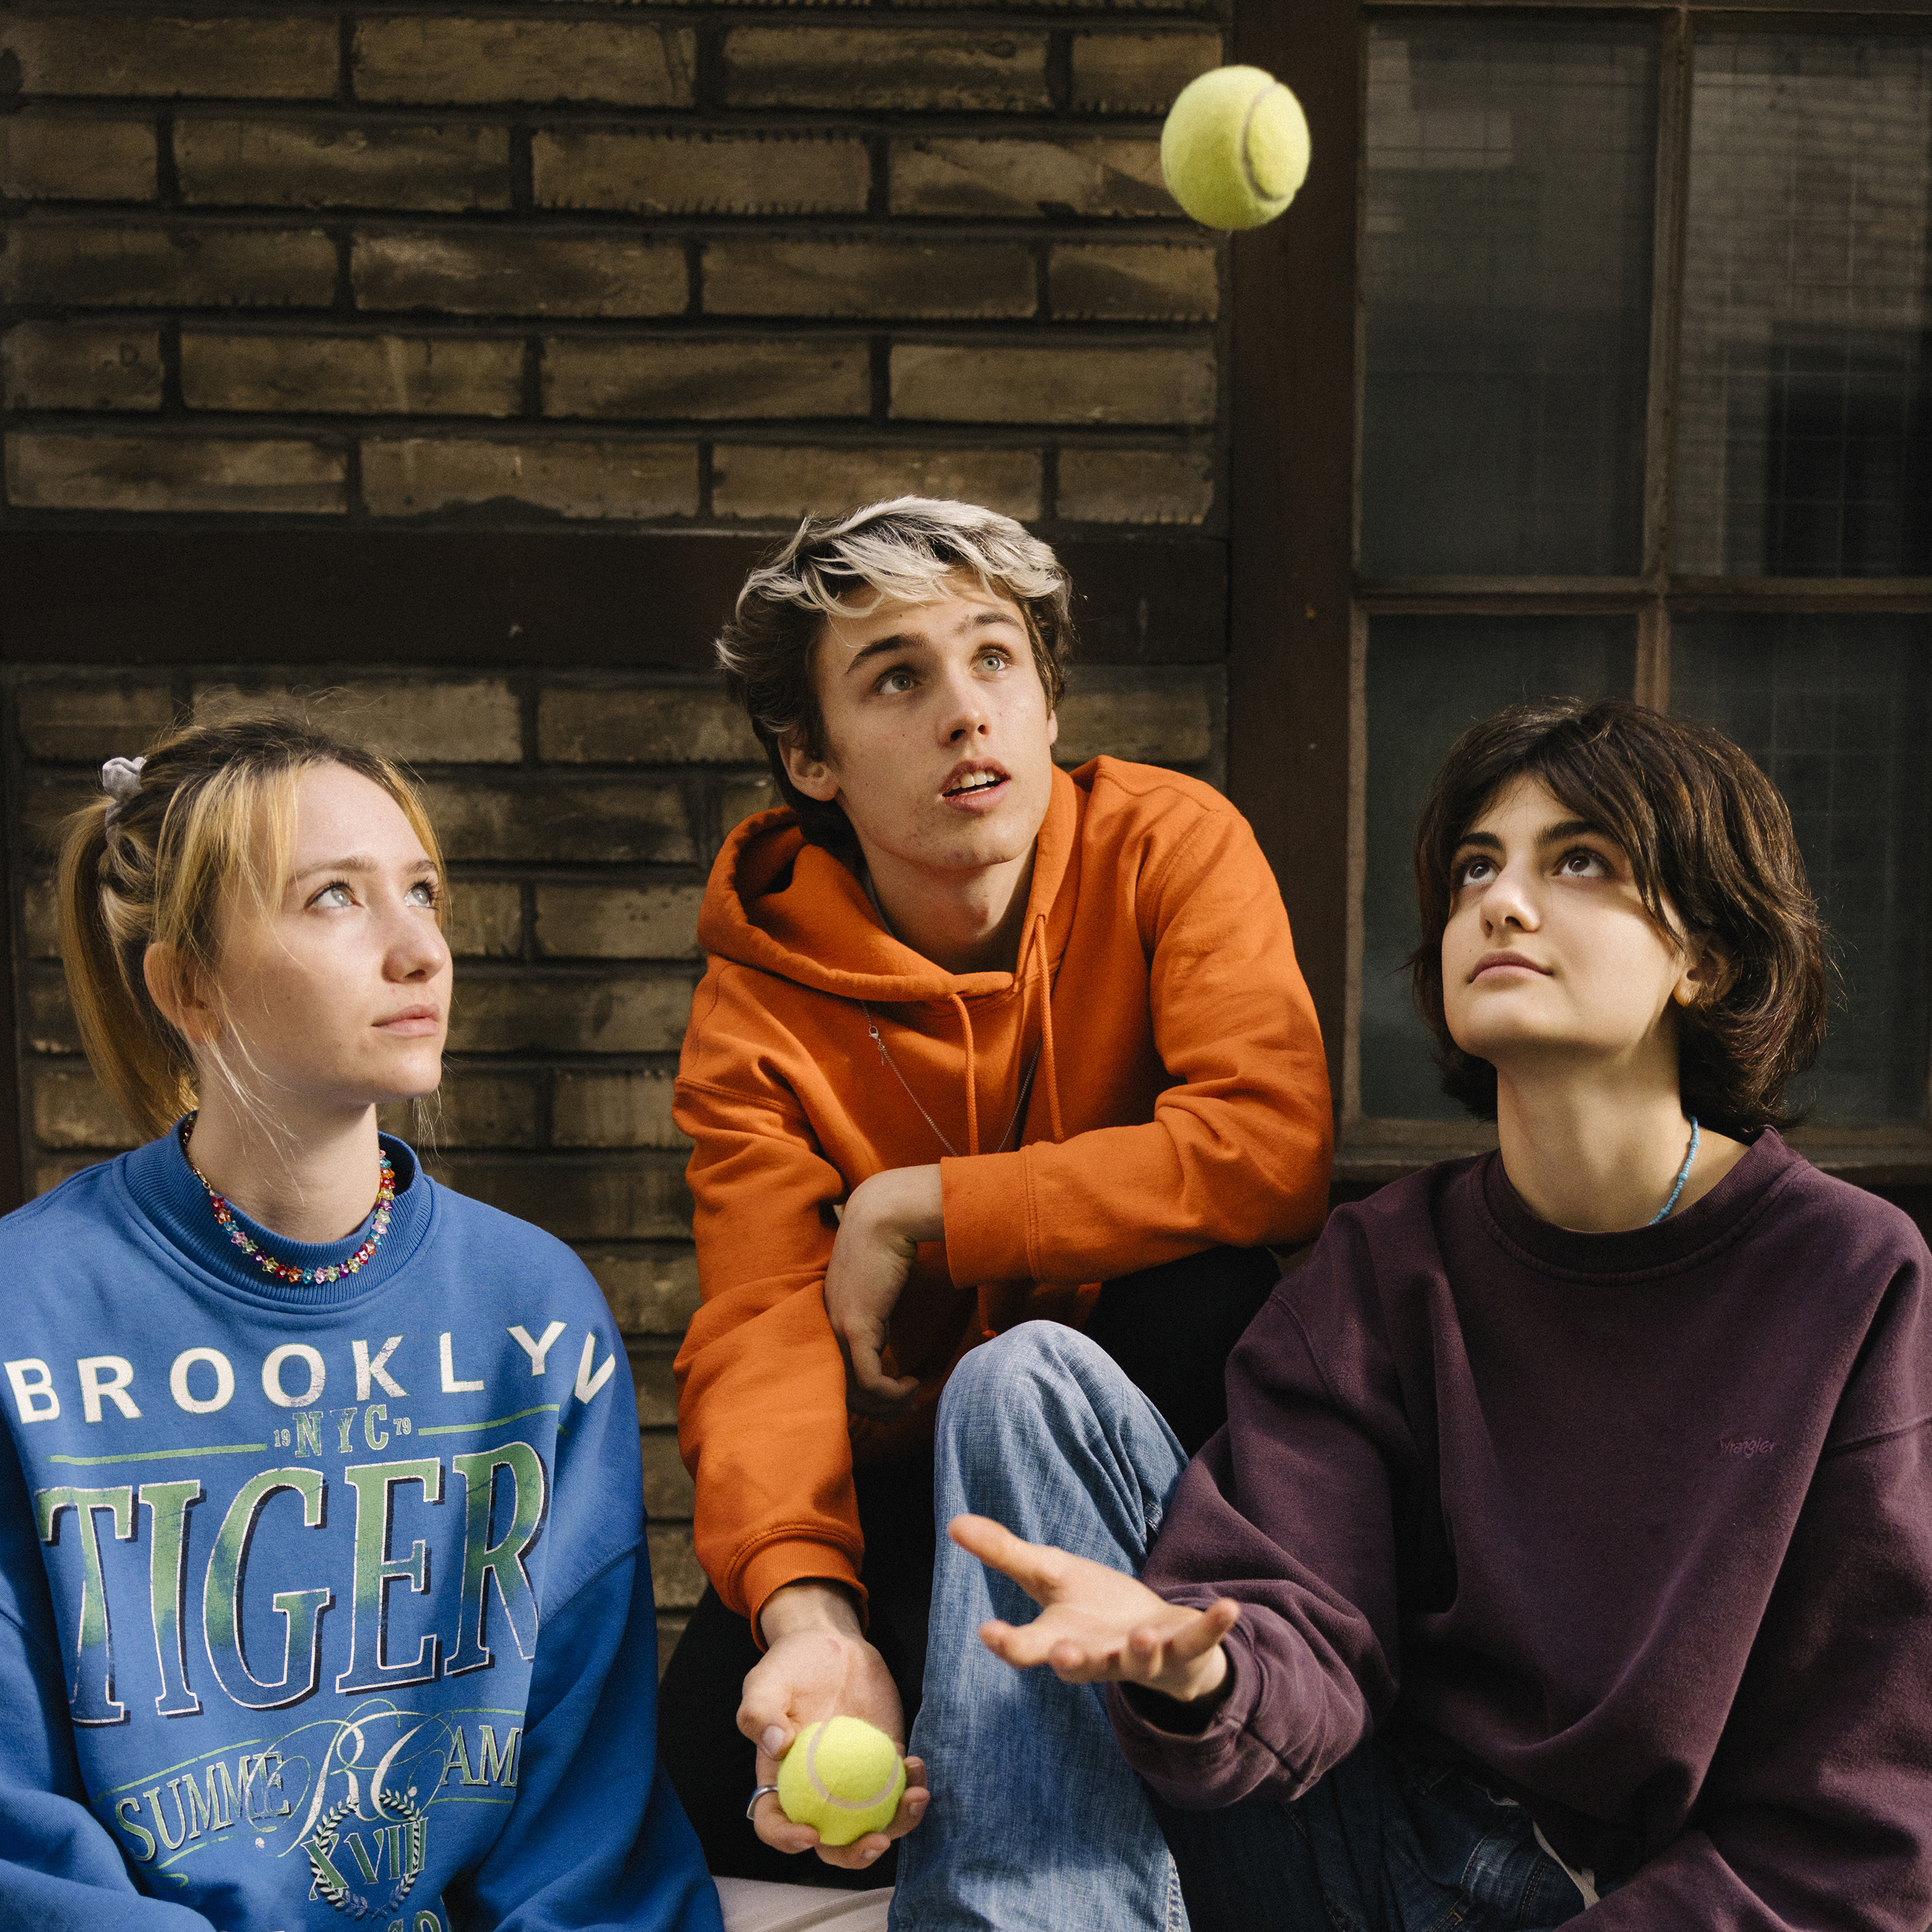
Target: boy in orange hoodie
{"type": "Point", "coordinates": [977, 1036]}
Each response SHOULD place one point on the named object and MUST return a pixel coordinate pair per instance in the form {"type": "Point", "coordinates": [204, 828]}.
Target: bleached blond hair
{"type": "Point", "coordinates": [900, 550]}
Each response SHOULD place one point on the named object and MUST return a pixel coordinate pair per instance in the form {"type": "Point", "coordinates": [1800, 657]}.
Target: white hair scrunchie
{"type": "Point", "coordinates": [120, 779]}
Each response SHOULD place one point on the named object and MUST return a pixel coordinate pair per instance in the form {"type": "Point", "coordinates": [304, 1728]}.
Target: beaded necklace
{"type": "Point", "coordinates": [282, 1270]}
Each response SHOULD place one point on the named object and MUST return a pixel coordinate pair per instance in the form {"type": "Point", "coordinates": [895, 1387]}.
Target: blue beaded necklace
{"type": "Point", "coordinates": [1683, 1175]}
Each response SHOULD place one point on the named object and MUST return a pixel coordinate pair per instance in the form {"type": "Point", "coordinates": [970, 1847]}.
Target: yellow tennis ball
{"type": "Point", "coordinates": [1234, 149]}
{"type": "Point", "coordinates": [844, 1777]}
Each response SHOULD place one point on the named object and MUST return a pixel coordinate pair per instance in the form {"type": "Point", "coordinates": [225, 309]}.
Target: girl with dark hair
{"type": "Point", "coordinates": [1566, 1556]}
{"type": "Point", "coordinates": [324, 1594]}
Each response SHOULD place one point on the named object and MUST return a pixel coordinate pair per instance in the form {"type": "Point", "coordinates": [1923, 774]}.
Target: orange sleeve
{"type": "Point", "coordinates": [1239, 1147]}
{"type": "Point", "coordinates": [761, 1383]}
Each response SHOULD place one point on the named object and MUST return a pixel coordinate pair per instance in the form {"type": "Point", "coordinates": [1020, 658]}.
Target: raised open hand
{"type": "Point", "coordinates": [1097, 1625]}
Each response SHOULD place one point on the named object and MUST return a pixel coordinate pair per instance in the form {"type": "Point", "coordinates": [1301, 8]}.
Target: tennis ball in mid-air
{"type": "Point", "coordinates": [1234, 149]}
{"type": "Point", "coordinates": [843, 1776]}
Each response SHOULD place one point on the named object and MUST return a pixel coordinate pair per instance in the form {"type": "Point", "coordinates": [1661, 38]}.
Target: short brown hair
{"type": "Point", "coordinates": [903, 549]}
{"type": "Point", "coordinates": [1704, 831]}
{"type": "Point", "coordinates": [205, 825]}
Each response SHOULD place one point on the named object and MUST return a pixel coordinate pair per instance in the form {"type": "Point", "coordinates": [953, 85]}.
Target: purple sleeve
{"type": "Point", "coordinates": [1296, 1510]}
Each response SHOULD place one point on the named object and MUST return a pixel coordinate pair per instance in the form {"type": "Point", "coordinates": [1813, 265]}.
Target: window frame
{"type": "Point", "coordinates": [1300, 610]}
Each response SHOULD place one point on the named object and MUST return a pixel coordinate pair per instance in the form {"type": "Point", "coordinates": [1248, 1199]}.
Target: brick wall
{"type": "Point", "coordinates": [690, 265]}
{"type": "Point", "coordinates": [673, 269]}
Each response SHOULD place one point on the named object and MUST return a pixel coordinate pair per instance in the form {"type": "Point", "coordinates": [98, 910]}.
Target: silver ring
{"type": "Point", "coordinates": [763, 1790]}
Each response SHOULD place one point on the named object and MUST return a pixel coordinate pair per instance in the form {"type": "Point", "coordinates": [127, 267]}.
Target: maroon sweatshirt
{"type": "Point", "coordinates": [1637, 1526]}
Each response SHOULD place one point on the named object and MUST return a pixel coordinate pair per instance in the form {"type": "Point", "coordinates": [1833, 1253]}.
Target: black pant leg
{"type": "Point", "coordinates": [1170, 1329]}
{"type": "Point", "coordinates": [712, 1766]}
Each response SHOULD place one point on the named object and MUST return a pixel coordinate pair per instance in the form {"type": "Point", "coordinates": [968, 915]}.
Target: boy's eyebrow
{"type": "Point", "coordinates": [899, 641]}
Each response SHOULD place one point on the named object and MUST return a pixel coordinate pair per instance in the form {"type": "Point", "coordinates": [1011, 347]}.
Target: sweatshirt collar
{"type": "Point", "coordinates": [169, 1193]}
{"type": "Point", "coordinates": [1720, 1217]}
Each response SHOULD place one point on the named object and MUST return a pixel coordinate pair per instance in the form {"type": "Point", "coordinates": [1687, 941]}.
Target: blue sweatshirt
{"type": "Point", "coordinates": [321, 1604]}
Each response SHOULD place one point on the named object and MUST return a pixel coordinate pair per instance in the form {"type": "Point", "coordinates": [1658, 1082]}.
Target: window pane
{"type": "Point", "coordinates": [1506, 276]}
{"type": "Point", "coordinates": [1429, 679]}
{"type": "Point", "coordinates": [1838, 711]}
{"type": "Point", "coordinates": [1804, 448]}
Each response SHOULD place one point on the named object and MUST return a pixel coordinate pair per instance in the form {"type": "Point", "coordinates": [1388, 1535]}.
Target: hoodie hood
{"type": "Point", "coordinates": [781, 905]}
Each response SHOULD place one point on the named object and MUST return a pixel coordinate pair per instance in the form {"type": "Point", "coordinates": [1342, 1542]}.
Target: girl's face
{"type": "Point", "coordinates": [339, 998]}
{"type": "Point", "coordinates": [1550, 959]}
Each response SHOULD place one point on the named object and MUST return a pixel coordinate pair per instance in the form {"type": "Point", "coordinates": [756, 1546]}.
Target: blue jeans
{"type": "Point", "coordinates": [1037, 1822]}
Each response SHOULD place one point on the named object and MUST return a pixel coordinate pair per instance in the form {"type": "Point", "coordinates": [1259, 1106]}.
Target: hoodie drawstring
{"type": "Point", "coordinates": [1046, 1028]}
{"type": "Point", "coordinates": [972, 1078]}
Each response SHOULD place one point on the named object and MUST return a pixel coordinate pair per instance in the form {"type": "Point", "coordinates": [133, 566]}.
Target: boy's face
{"type": "Point", "coordinates": [1550, 956]}
{"type": "Point", "coordinates": [938, 736]}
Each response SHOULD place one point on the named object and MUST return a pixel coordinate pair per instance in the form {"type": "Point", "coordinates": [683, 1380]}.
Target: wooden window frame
{"type": "Point", "coordinates": [1300, 614]}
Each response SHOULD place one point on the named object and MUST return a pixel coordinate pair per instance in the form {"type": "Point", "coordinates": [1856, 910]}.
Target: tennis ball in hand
{"type": "Point", "coordinates": [1234, 149]}
{"type": "Point", "coordinates": [844, 1776]}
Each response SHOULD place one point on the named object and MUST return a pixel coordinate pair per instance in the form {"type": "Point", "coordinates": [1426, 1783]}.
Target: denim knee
{"type": "Point", "coordinates": [1025, 1373]}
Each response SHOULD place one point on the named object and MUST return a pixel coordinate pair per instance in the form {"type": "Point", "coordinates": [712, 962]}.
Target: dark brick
{"type": "Point", "coordinates": [1162, 717]}
{"type": "Point", "coordinates": [629, 63]}
{"type": "Point", "coordinates": [618, 922]}
{"type": "Point", "coordinates": [450, 721]}
{"type": "Point", "coordinates": [1139, 73]}
{"type": "Point", "coordinates": [56, 365]}
{"type": "Point", "coordinates": [1114, 175]}
{"type": "Point", "coordinates": [656, 1389]}
{"type": "Point", "coordinates": [1067, 382]}
{"type": "Point", "coordinates": [603, 376]}
{"type": "Point", "coordinates": [419, 475]}
{"type": "Point", "coordinates": [77, 723]}
{"type": "Point", "coordinates": [361, 375]}
{"type": "Point", "coordinates": [651, 1292]}
{"type": "Point", "coordinates": [949, 69]}
{"type": "Point", "coordinates": [224, 475]}
{"type": "Point", "coordinates": [767, 276]}
{"type": "Point", "coordinates": [668, 1489]}
{"type": "Point", "coordinates": [620, 1200]}
{"type": "Point", "coordinates": [506, 271]}
{"type": "Point", "coordinates": [545, 1015]}
{"type": "Point", "coordinates": [292, 58]}
{"type": "Point", "coordinates": [743, 799]}
{"type": "Point", "coordinates": [40, 918]}
{"type": "Point", "coordinates": [615, 821]}
{"type": "Point", "coordinates": [50, 1023]}
{"type": "Point", "coordinates": [762, 481]}
{"type": "Point", "coordinates": [332, 164]}
{"type": "Point", "coordinates": [591, 725]}
{"type": "Point", "coordinates": [59, 158]}
{"type": "Point", "coordinates": [637, 171]}
{"type": "Point", "coordinates": [1134, 282]}
{"type": "Point", "coordinates": [71, 1109]}
{"type": "Point", "coordinates": [485, 919]}
{"type": "Point", "coordinates": [471, 1109]}
{"type": "Point", "coordinates": [1136, 486]}
{"type": "Point", "coordinates": [612, 1110]}
{"type": "Point", "coordinates": [675, 1575]}
{"type": "Point", "coordinates": [96, 267]}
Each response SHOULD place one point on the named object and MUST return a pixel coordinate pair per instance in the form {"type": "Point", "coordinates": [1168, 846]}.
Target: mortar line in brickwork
{"type": "Point", "coordinates": [173, 403]}
{"type": "Point", "coordinates": [345, 59]}
{"type": "Point", "coordinates": [533, 403]}
{"type": "Point", "coordinates": [879, 189]}
{"type": "Point", "coordinates": [1060, 69]}
{"type": "Point", "coordinates": [1049, 482]}
{"type": "Point", "coordinates": [357, 511]}
{"type": "Point", "coordinates": [526, 922]}
{"type": "Point", "coordinates": [706, 458]}
{"type": "Point", "coordinates": [880, 349]}
{"type": "Point", "coordinates": [528, 691]}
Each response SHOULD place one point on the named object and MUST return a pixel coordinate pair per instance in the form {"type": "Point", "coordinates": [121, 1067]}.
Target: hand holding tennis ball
{"type": "Point", "coordinates": [843, 1777]}
{"type": "Point", "coordinates": [1234, 149]}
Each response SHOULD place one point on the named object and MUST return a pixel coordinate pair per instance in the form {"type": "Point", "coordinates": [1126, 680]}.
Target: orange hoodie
{"type": "Point", "coordinates": [1179, 1098]}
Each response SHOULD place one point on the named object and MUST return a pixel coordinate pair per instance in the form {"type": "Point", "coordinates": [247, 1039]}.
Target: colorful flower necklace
{"type": "Point", "coordinates": [281, 1270]}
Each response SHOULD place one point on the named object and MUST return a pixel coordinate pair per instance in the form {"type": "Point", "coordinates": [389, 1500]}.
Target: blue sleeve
{"type": "Point", "coordinates": [596, 1836]}
{"type": "Point", "coordinates": [59, 1870]}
